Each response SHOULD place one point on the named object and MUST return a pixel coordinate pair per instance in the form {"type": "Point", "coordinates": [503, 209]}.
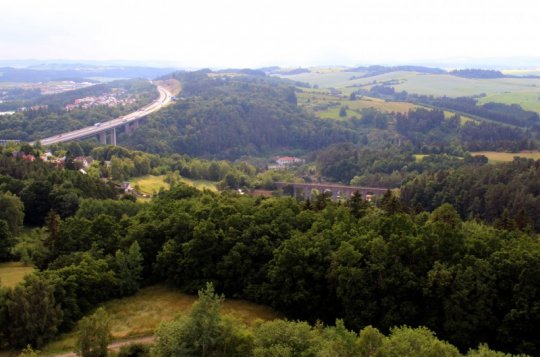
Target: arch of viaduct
{"type": "Point", "coordinates": [338, 191]}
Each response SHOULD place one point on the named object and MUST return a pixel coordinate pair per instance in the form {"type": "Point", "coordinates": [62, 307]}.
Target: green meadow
{"type": "Point", "coordinates": [151, 184]}
{"type": "Point", "coordinates": [142, 313]}
{"type": "Point", "coordinates": [13, 272]}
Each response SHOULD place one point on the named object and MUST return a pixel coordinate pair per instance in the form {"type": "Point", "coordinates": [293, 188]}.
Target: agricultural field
{"type": "Point", "coordinates": [440, 84]}
{"type": "Point", "coordinates": [152, 184]}
{"type": "Point", "coordinates": [527, 100]}
{"type": "Point", "coordinates": [496, 157]}
{"type": "Point", "coordinates": [522, 91]}
{"type": "Point", "coordinates": [324, 105]}
{"type": "Point", "coordinates": [141, 314]}
{"type": "Point", "coordinates": [324, 78]}
{"type": "Point", "coordinates": [13, 272]}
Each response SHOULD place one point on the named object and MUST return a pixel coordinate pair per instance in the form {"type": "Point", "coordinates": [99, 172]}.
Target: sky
{"type": "Point", "coordinates": [256, 33]}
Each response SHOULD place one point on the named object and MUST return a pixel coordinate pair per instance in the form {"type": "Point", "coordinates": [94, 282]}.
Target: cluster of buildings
{"type": "Point", "coordinates": [109, 100]}
{"type": "Point", "coordinates": [61, 86]}
{"type": "Point", "coordinates": [34, 107]}
{"type": "Point", "coordinates": [82, 162]}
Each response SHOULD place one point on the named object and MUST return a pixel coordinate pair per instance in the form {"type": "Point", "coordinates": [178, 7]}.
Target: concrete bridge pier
{"type": "Point", "coordinates": [113, 136]}
{"type": "Point", "coordinates": [129, 128]}
{"type": "Point", "coordinates": [103, 138]}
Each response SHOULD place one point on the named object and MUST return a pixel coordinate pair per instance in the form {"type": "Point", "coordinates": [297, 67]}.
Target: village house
{"type": "Point", "coordinates": [288, 160]}
{"type": "Point", "coordinates": [84, 161]}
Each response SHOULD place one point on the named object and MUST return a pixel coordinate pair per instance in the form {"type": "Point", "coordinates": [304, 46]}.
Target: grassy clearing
{"type": "Point", "coordinates": [324, 105]}
{"type": "Point", "coordinates": [141, 314]}
{"type": "Point", "coordinates": [151, 184]}
{"type": "Point", "coordinates": [13, 272]}
{"type": "Point", "coordinates": [357, 105]}
{"type": "Point", "coordinates": [463, 118]}
{"type": "Point", "coordinates": [201, 184]}
{"type": "Point", "coordinates": [496, 157]}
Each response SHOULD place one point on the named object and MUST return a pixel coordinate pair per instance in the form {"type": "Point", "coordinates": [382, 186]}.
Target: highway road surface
{"type": "Point", "coordinates": [165, 98]}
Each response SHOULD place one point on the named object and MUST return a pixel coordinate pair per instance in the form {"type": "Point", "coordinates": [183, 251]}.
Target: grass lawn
{"type": "Point", "coordinates": [495, 157]}
{"type": "Point", "coordinates": [141, 314]}
{"type": "Point", "coordinates": [150, 184]}
{"type": "Point", "coordinates": [13, 272]}
{"type": "Point", "coordinates": [201, 184]}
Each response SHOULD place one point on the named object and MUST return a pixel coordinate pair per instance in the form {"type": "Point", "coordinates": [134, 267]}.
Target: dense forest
{"type": "Point", "coordinates": [380, 266]}
{"type": "Point", "coordinates": [390, 167]}
{"type": "Point", "coordinates": [428, 129]}
{"type": "Point", "coordinates": [505, 194]}
{"type": "Point", "coordinates": [41, 188]}
{"type": "Point", "coordinates": [227, 117]}
{"type": "Point", "coordinates": [477, 73]}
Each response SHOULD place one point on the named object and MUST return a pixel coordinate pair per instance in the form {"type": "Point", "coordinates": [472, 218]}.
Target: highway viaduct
{"type": "Point", "coordinates": [106, 131]}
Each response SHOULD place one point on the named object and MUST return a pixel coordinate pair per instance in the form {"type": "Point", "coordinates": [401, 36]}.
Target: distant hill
{"type": "Point", "coordinates": [246, 71]}
{"type": "Point", "coordinates": [378, 70]}
{"type": "Point", "coordinates": [477, 73]}
{"type": "Point", "coordinates": [294, 71]}
{"type": "Point", "coordinates": [77, 73]}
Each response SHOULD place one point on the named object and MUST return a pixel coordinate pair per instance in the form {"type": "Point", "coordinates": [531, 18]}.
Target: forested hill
{"type": "Point", "coordinates": [230, 116]}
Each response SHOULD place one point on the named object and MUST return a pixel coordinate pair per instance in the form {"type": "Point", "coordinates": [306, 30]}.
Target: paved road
{"type": "Point", "coordinates": [165, 98]}
{"type": "Point", "coordinates": [115, 346]}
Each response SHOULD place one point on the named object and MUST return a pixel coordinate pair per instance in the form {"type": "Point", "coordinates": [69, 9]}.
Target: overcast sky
{"type": "Point", "coordinates": [254, 33]}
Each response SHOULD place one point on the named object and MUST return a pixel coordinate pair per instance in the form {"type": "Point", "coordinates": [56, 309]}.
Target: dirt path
{"type": "Point", "coordinates": [115, 346]}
